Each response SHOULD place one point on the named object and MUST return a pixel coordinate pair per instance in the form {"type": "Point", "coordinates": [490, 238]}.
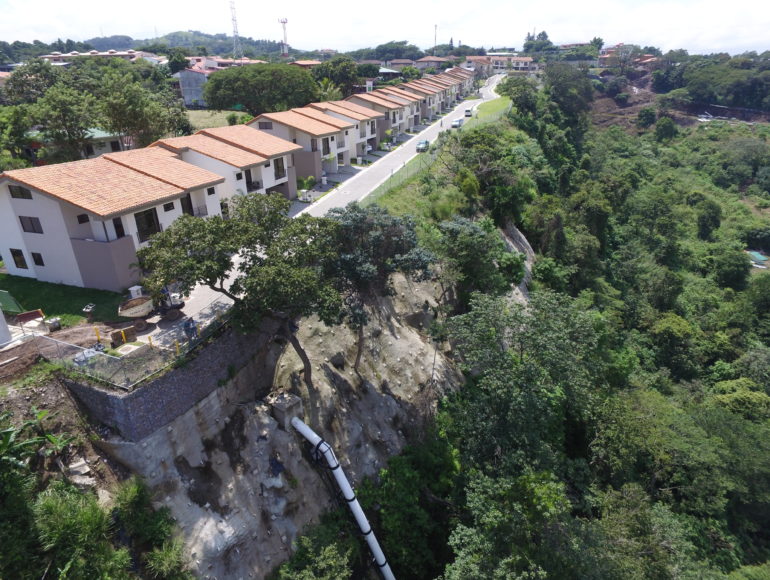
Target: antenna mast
{"type": "Point", "coordinates": [237, 50]}
{"type": "Point", "coordinates": [285, 45]}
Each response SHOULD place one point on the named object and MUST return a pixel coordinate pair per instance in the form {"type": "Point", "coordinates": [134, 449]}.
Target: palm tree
{"type": "Point", "coordinates": [328, 91]}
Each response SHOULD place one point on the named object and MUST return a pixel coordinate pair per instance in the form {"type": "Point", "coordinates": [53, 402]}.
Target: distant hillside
{"type": "Point", "coordinates": [193, 42]}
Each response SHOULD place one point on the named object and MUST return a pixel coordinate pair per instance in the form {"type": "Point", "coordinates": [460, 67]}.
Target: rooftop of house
{"type": "Point", "coordinates": [366, 112]}
{"type": "Point", "coordinates": [306, 63]}
{"type": "Point", "coordinates": [403, 93]}
{"type": "Point", "coordinates": [433, 59]}
{"type": "Point", "coordinates": [108, 188]}
{"type": "Point", "coordinates": [387, 95]}
{"type": "Point", "coordinates": [323, 117]}
{"type": "Point", "coordinates": [164, 166]}
{"type": "Point", "coordinates": [375, 100]}
{"type": "Point", "coordinates": [300, 122]}
{"type": "Point", "coordinates": [248, 138]}
{"type": "Point", "coordinates": [214, 148]}
{"type": "Point", "coordinates": [402, 61]}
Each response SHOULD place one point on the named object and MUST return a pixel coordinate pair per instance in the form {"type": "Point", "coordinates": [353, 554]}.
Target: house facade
{"type": "Point", "coordinates": [248, 163]}
{"type": "Point", "coordinates": [364, 137]}
{"type": "Point", "coordinates": [317, 139]}
{"type": "Point", "coordinates": [80, 223]}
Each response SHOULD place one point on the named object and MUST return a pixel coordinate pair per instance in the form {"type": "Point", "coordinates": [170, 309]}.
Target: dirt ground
{"type": "Point", "coordinates": [20, 358]}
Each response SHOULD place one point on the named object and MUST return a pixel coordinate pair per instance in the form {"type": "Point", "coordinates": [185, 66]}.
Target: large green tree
{"type": "Point", "coordinates": [341, 70]}
{"type": "Point", "coordinates": [260, 88]}
{"type": "Point", "coordinates": [66, 118]}
{"type": "Point", "coordinates": [282, 269]}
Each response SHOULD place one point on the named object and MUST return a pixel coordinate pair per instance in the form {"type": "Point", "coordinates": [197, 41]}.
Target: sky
{"type": "Point", "coordinates": [699, 26]}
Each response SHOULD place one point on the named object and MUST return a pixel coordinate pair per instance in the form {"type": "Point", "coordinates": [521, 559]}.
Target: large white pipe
{"type": "Point", "coordinates": [347, 492]}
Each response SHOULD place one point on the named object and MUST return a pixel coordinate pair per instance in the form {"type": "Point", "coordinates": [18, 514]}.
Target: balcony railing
{"type": "Point", "coordinates": [200, 211]}
{"type": "Point", "coordinates": [253, 186]}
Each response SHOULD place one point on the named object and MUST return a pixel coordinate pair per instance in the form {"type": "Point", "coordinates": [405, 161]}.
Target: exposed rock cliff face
{"type": "Point", "coordinates": [241, 488]}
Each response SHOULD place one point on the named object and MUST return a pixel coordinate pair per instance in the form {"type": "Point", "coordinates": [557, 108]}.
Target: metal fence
{"type": "Point", "coordinates": [144, 359]}
{"type": "Point", "coordinates": [424, 161]}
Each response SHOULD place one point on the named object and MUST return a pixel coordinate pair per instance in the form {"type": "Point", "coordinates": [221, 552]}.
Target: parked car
{"type": "Point", "coordinates": [457, 123]}
{"type": "Point", "coordinates": [469, 112]}
{"type": "Point", "coordinates": [423, 145]}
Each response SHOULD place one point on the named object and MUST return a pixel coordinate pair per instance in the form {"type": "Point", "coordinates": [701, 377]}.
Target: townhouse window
{"type": "Point", "coordinates": [168, 206]}
{"type": "Point", "coordinates": [325, 146]}
{"type": "Point", "coordinates": [372, 126]}
{"type": "Point", "coordinates": [314, 144]}
{"type": "Point", "coordinates": [265, 125]}
{"type": "Point", "coordinates": [31, 225]}
{"type": "Point", "coordinates": [332, 137]}
{"type": "Point", "coordinates": [89, 150]}
{"type": "Point", "coordinates": [83, 218]}
{"type": "Point", "coordinates": [210, 191]}
{"type": "Point", "coordinates": [267, 164]}
{"type": "Point", "coordinates": [18, 259]}
{"type": "Point", "coordinates": [279, 169]}
{"type": "Point", "coordinates": [147, 224]}
{"type": "Point", "coordinates": [346, 131]}
{"type": "Point", "coordinates": [115, 146]}
{"type": "Point", "coordinates": [238, 176]}
{"type": "Point", "coordinates": [37, 258]}
{"type": "Point", "coordinates": [120, 232]}
{"type": "Point", "coordinates": [20, 192]}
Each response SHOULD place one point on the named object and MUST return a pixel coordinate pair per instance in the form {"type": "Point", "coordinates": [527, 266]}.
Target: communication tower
{"type": "Point", "coordinates": [237, 49]}
{"type": "Point", "coordinates": [285, 45]}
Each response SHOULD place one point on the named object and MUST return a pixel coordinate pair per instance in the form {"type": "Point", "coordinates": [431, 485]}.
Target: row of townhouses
{"type": "Point", "coordinates": [80, 223]}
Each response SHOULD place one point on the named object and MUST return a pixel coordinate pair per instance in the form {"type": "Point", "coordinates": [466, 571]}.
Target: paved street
{"type": "Point", "coordinates": [204, 304]}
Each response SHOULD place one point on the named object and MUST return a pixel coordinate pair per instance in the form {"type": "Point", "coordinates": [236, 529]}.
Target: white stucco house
{"type": "Point", "coordinates": [80, 223]}
{"type": "Point", "coordinates": [248, 160]}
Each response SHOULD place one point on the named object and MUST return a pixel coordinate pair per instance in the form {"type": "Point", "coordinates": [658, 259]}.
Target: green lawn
{"type": "Point", "coordinates": [67, 302]}
{"type": "Point", "coordinates": [203, 119]}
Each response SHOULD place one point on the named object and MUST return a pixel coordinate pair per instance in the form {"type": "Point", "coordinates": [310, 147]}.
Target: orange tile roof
{"type": "Point", "coordinates": [306, 62]}
{"type": "Point", "coordinates": [376, 101]}
{"type": "Point", "coordinates": [98, 186]}
{"type": "Point", "coordinates": [360, 109]}
{"type": "Point", "coordinates": [165, 166]}
{"type": "Point", "coordinates": [323, 117]}
{"type": "Point", "coordinates": [299, 122]}
{"type": "Point", "coordinates": [214, 148]}
{"type": "Point", "coordinates": [403, 93]}
{"type": "Point", "coordinates": [402, 100]}
{"type": "Point", "coordinates": [349, 113]}
{"type": "Point", "coordinates": [426, 86]}
{"type": "Point", "coordinates": [251, 139]}
{"type": "Point", "coordinates": [419, 89]}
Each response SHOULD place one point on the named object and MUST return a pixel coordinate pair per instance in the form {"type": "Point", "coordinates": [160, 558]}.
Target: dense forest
{"type": "Point", "coordinates": [617, 425]}
{"type": "Point", "coordinates": [720, 79]}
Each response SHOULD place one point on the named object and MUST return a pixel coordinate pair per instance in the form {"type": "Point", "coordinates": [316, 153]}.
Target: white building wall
{"type": "Point", "coordinates": [53, 244]}
{"type": "Point", "coordinates": [225, 190]}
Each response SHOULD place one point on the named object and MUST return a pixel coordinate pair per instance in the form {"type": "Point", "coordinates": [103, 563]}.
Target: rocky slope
{"type": "Point", "coordinates": [241, 487]}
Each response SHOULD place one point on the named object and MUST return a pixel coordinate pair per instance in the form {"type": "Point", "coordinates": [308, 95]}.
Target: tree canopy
{"type": "Point", "coordinates": [260, 88]}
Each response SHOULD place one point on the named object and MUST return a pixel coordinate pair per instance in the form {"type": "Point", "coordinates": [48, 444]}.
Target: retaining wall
{"type": "Point", "coordinates": [246, 361]}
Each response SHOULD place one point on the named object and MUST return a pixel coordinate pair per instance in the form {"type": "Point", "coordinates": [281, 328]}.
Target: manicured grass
{"type": "Point", "coordinates": [66, 302]}
{"type": "Point", "coordinates": [490, 110]}
{"type": "Point", "coordinates": [204, 119]}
